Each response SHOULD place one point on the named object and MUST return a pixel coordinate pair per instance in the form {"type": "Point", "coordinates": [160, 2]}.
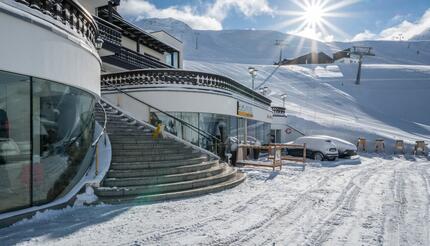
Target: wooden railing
{"type": "Point", "coordinates": [275, 155]}
{"type": "Point", "coordinates": [70, 13]}
{"type": "Point", "coordinates": [182, 77]}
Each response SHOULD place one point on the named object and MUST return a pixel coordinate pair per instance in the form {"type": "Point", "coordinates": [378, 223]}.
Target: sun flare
{"type": "Point", "coordinates": [314, 15]}
{"type": "Point", "coordinates": [313, 18]}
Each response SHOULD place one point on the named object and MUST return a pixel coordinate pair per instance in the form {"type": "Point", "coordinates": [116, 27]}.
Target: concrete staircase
{"type": "Point", "coordinates": [147, 170]}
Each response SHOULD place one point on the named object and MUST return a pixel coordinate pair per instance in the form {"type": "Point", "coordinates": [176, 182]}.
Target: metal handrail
{"type": "Point", "coordinates": [192, 127]}
{"type": "Point", "coordinates": [104, 126]}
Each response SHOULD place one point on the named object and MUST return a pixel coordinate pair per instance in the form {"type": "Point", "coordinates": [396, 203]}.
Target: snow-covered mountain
{"type": "Point", "coordinates": [425, 35]}
{"type": "Point", "coordinates": [241, 46]}
{"type": "Point", "coordinates": [258, 46]}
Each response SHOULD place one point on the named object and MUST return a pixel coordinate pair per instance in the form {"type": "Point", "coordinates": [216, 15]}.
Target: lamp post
{"type": "Point", "coordinates": [283, 97]}
{"type": "Point", "coordinates": [253, 73]}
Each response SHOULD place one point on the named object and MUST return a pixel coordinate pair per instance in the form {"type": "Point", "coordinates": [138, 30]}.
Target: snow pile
{"type": "Point", "coordinates": [88, 197]}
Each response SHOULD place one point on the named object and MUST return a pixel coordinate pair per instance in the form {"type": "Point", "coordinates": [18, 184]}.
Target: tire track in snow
{"type": "Point", "coordinates": [395, 210]}
{"type": "Point", "coordinates": [220, 217]}
{"type": "Point", "coordinates": [244, 236]}
{"type": "Point", "coordinates": [238, 212]}
{"type": "Point", "coordinates": [426, 178]}
{"type": "Point", "coordinates": [344, 206]}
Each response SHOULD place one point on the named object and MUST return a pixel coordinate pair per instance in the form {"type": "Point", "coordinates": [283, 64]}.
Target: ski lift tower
{"type": "Point", "coordinates": [361, 51]}
{"type": "Point", "coordinates": [281, 44]}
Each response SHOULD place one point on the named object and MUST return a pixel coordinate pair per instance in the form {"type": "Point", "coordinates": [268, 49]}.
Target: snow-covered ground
{"type": "Point", "coordinates": [383, 200]}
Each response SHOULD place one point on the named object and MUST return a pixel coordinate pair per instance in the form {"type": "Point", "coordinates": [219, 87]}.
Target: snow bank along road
{"type": "Point", "coordinates": [383, 200]}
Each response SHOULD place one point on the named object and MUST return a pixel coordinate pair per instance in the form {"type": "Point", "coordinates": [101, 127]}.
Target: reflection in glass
{"type": "Point", "coordinates": [63, 126]}
{"type": "Point", "coordinates": [14, 141]}
{"type": "Point", "coordinates": [188, 134]}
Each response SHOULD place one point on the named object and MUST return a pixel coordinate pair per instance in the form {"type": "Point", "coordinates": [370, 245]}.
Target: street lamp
{"type": "Point", "coordinates": [284, 97]}
{"type": "Point", "coordinates": [265, 90]}
{"type": "Point", "coordinates": [253, 73]}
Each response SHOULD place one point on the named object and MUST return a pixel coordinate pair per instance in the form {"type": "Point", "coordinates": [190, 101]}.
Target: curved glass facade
{"type": "Point", "coordinates": [222, 126]}
{"type": "Point", "coordinates": [46, 131]}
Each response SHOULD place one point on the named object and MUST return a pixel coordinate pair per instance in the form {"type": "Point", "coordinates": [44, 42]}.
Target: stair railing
{"type": "Point", "coordinates": [102, 133]}
{"type": "Point", "coordinates": [213, 141]}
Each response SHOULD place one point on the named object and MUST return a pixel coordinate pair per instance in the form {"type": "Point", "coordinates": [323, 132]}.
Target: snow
{"type": "Point", "coordinates": [383, 200]}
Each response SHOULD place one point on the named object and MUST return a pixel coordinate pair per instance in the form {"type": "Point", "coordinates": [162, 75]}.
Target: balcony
{"type": "Point", "coordinates": [109, 33]}
{"type": "Point", "coordinates": [68, 12]}
{"type": "Point", "coordinates": [131, 60]}
{"type": "Point", "coordinates": [179, 77]}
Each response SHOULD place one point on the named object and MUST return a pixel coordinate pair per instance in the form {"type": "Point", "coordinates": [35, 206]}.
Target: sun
{"type": "Point", "coordinates": [313, 18]}
{"type": "Point", "coordinates": [314, 15]}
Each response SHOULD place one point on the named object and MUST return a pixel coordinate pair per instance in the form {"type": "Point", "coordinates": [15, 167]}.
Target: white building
{"type": "Point", "coordinates": [49, 86]}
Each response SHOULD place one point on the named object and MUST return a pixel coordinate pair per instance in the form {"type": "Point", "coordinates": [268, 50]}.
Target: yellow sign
{"type": "Point", "coordinates": [244, 110]}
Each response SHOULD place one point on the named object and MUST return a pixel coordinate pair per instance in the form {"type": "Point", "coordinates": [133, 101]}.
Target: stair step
{"type": "Point", "coordinates": [227, 174]}
{"type": "Point", "coordinates": [236, 180]}
{"type": "Point", "coordinates": [163, 163]}
{"type": "Point", "coordinates": [132, 170]}
{"type": "Point", "coordinates": [154, 157]}
{"type": "Point", "coordinates": [153, 169]}
{"type": "Point", "coordinates": [150, 151]}
{"type": "Point", "coordinates": [134, 140]}
{"type": "Point", "coordinates": [152, 147]}
{"type": "Point", "coordinates": [163, 179]}
{"type": "Point", "coordinates": [128, 133]}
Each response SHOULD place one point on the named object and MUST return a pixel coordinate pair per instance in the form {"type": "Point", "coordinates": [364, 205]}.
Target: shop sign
{"type": "Point", "coordinates": [244, 109]}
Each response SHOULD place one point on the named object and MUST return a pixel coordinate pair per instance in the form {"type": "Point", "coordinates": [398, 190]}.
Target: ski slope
{"type": "Point", "coordinates": [392, 101]}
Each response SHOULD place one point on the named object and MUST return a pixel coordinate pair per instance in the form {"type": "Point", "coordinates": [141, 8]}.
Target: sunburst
{"type": "Point", "coordinates": [312, 18]}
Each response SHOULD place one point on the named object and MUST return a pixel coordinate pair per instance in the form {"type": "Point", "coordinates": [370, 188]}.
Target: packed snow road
{"type": "Point", "coordinates": [383, 200]}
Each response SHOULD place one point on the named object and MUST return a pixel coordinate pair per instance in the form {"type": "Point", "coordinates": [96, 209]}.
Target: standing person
{"type": "Point", "coordinates": [4, 135]}
{"type": "Point", "coordinates": [4, 124]}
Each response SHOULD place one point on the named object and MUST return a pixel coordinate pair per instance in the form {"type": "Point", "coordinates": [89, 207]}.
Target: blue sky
{"type": "Point", "coordinates": [336, 19]}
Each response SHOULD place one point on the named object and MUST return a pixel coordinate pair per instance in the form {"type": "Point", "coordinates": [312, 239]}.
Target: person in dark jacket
{"type": "Point", "coordinates": [4, 124]}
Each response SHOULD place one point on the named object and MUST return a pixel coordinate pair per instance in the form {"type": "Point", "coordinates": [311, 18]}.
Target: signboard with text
{"type": "Point", "coordinates": [244, 109]}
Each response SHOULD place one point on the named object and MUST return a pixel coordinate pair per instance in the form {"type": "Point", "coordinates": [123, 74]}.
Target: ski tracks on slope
{"type": "Point", "coordinates": [287, 220]}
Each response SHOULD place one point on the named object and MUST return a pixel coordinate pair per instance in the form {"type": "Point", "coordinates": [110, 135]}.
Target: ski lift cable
{"type": "Point", "coordinates": [268, 77]}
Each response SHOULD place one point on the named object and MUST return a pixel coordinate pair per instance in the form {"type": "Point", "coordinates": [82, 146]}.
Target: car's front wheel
{"type": "Point", "coordinates": [318, 156]}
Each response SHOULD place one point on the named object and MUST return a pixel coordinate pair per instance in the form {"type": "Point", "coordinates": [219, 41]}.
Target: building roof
{"type": "Point", "coordinates": [310, 58]}
{"type": "Point", "coordinates": [134, 32]}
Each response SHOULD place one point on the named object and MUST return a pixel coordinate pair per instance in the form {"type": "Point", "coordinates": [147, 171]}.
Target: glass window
{"type": "Point", "coordinates": [168, 58]}
{"type": "Point", "coordinates": [188, 134]}
{"type": "Point", "coordinates": [63, 128]}
{"type": "Point", "coordinates": [252, 128]}
{"type": "Point", "coordinates": [175, 60]}
{"type": "Point", "coordinates": [217, 125]}
{"type": "Point", "coordinates": [171, 125]}
{"type": "Point", "coordinates": [207, 123]}
{"type": "Point", "coordinates": [241, 129]}
{"type": "Point", "coordinates": [15, 161]}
